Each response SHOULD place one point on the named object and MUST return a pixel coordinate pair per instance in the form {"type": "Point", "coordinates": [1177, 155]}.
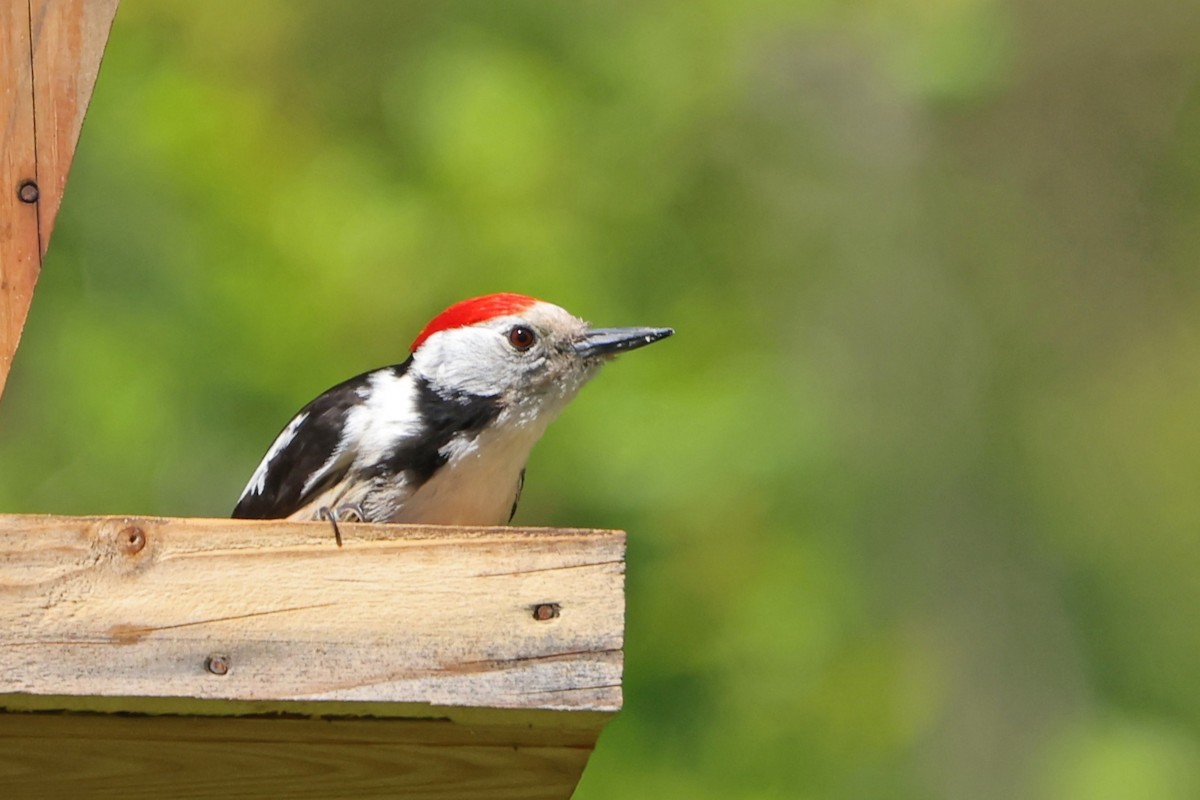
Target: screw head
{"type": "Point", "coordinates": [28, 192]}
{"type": "Point", "coordinates": [217, 664]}
{"type": "Point", "coordinates": [546, 611]}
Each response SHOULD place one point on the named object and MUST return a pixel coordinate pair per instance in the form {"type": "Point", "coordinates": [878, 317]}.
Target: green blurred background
{"type": "Point", "coordinates": [914, 494]}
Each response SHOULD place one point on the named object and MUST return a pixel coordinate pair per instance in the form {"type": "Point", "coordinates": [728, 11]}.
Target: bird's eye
{"type": "Point", "coordinates": [521, 337]}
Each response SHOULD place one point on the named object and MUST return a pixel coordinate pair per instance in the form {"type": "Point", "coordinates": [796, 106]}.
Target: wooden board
{"type": "Point", "coordinates": [68, 42]}
{"type": "Point", "coordinates": [50, 54]}
{"type": "Point", "coordinates": [82, 757]}
{"type": "Point", "coordinates": [413, 661]}
{"type": "Point", "coordinates": [20, 258]}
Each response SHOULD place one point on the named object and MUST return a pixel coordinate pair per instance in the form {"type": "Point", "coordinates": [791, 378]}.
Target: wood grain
{"type": "Point", "coordinates": [20, 259]}
{"type": "Point", "coordinates": [409, 662]}
{"type": "Point", "coordinates": [68, 42]}
{"type": "Point", "coordinates": [128, 607]}
{"type": "Point", "coordinates": [70, 756]}
{"type": "Point", "coordinates": [50, 53]}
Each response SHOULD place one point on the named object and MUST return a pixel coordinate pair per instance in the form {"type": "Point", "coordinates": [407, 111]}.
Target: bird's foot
{"type": "Point", "coordinates": [351, 512]}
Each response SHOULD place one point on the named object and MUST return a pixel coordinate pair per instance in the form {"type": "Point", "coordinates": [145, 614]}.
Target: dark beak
{"type": "Point", "coordinates": [610, 341]}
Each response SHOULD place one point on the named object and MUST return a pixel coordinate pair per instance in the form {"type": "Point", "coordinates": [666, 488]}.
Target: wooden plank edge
{"type": "Point", "coordinates": [519, 718]}
{"type": "Point", "coordinates": [20, 257]}
{"type": "Point", "coordinates": [211, 758]}
{"type": "Point", "coordinates": [49, 63]}
{"type": "Point", "coordinates": [10, 523]}
{"type": "Point", "coordinates": [68, 42]}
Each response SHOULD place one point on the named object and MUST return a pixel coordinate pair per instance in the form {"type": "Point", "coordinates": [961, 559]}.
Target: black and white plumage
{"type": "Point", "coordinates": [443, 437]}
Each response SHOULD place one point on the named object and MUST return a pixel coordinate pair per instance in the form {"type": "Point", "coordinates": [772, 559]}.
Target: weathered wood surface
{"type": "Point", "coordinates": [50, 54]}
{"type": "Point", "coordinates": [410, 662]}
{"type": "Point", "coordinates": [115, 606]}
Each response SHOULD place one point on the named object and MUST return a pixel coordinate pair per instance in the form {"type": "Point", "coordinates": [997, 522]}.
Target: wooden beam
{"type": "Point", "coordinates": [20, 259]}
{"type": "Point", "coordinates": [414, 661]}
{"type": "Point", "coordinates": [81, 757]}
{"type": "Point", "coordinates": [68, 42]}
{"type": "Point", "coordinates": [50, 54]}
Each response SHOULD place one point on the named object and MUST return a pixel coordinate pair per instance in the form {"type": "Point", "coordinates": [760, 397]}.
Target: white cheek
{"type": "Point", "coordinates": [473, 360]}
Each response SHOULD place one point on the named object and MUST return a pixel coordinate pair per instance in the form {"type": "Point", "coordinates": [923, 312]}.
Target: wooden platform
{"type": "Point", "coordinates": [215, 658]}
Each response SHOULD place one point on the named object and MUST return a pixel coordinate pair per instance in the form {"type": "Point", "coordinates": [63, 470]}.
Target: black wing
{"type": "Point", "coordinates": [306, 446]}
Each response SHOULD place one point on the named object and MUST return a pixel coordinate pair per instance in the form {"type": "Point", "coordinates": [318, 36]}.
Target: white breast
{"type": "Point", "coordinates": [477, 485]}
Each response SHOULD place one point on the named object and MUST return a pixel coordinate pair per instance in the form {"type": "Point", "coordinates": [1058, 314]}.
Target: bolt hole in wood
{"type": "Point", "coordinates": [133, 539]}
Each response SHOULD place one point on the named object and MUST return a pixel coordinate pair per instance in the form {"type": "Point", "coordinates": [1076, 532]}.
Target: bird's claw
{"type": "Point", "coordinates": [351, 512]}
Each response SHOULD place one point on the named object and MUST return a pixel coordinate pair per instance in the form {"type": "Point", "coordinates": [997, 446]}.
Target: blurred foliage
{"type": "Point", "coordinates": [912, 495]}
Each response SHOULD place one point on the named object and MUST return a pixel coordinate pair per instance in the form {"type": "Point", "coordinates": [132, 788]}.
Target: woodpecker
{"type": "Point", "coordinates": [443, 437]}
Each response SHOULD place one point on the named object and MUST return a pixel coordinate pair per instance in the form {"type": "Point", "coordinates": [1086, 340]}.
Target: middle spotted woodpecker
{"type": "Point", "coordinates": [443, 437]}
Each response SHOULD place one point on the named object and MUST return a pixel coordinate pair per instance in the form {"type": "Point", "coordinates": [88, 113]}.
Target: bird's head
{"type": "Point", "coordinates": [525, 352]}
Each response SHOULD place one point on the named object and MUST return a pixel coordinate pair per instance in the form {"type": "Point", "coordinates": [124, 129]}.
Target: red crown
{"type": "Point", "coordinates": [473, 311]}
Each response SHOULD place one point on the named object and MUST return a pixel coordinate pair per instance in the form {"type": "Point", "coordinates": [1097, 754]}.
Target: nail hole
{"type": "Point", "coordinates": [133, 539]}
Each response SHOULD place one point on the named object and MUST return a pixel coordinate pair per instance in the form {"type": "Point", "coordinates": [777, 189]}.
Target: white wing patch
{"type": "Point", "coordinates": [386, 417]}
{"type": "Point", "coordinates": [258, 481]}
